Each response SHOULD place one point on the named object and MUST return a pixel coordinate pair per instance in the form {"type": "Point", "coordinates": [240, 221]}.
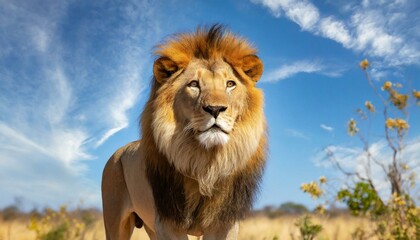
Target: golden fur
{"type": "Point", "coordinates": [203, 140]}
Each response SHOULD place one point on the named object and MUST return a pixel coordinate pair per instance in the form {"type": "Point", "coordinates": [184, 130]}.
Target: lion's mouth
{"type": "Point", "coordinates": [213, 136]}
{"type": "Point", "coordinates": [215, 128]}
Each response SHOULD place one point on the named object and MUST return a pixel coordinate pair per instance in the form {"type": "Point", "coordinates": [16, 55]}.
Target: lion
{"type": "Point", "coordinates": [198, 165]}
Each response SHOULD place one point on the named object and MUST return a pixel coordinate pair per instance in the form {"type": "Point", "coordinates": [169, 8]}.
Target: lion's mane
{"type": "Point", "coordinates": [194, 186]}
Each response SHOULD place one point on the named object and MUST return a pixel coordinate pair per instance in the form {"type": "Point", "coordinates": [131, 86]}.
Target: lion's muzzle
{"type": "Point", "coordinates": [214, 110]}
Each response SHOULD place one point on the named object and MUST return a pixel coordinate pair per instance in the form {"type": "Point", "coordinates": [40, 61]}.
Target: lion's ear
{"type": "Point", "coordinates": [252, 67]}
{"type": "Point", "coordinates": [163, 68]}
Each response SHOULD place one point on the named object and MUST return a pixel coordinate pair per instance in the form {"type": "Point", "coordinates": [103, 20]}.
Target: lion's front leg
{"type": "Point", "coordinates": [168, 231]}
{"type": "Point", "coordinates": [229, 232]}
{"type": "Point", "coordinates": [118, 219]}
{"type": "Point", "coordinates": [150, 233]}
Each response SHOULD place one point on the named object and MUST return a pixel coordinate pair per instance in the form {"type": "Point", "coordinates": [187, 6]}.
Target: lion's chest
{"type": "Point", "coordinates": [177, 198]}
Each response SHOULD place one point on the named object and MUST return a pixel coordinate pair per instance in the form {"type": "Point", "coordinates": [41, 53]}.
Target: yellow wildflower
{"type": "Point", "coordinates": [322, 179]}
{"type": "Point", "coordinates": [399, 100]}
{"type": "Point", "coordinates": [406, 167]}
{"type": "Point", "coordinates": [398, 200]}
{"type": "Point", "coordinates": [79, 226]}
{"type": "Point", "coordinates": [387, 86]}
{"type": "Point", "coordinates": [320, 209]}
{"type": "Point", "coordinates": [390, 123]}
{"type": "Point", "coordinates": [398, 123]}
{"type": "Point", "coordinates": [414, 211]}
{"type": "Point", "coordinates": [352, 128]}
{"type": "Point", "coordinates": [364, 64]}
{"type": "Point", "coordinates": [312, 188]}
{"type": "Point", "coordinates": [63, 210]}
{"type": "Point", "coordinates": [369, 106]}
{"type": "Point", "coordinates": [416, 94]}
{"type": "Point", "coordinates": [33, 225]}
{"type": "Point", "coordinates": [401, 124]}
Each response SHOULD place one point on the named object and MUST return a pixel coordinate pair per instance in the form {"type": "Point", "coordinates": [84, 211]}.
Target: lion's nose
{"type": "Point", "coordinates": [214, 110]}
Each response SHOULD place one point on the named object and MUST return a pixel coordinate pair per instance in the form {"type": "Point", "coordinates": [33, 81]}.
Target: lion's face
{"type": "Point", "coordinates": [204, 100]}
{"type": "Point", "coordinates": [209, 100]}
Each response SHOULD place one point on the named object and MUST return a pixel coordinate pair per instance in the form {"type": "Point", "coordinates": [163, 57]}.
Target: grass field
{"type": "Point", "coordinates": [253, 228]}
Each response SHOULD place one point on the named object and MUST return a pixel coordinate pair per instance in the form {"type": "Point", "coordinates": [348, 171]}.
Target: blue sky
{"type": "Point", "coordinates": [74, 77]}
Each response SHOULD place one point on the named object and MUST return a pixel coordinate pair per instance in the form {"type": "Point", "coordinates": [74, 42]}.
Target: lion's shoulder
{"type": "Point", "coordinates": [127, 150]}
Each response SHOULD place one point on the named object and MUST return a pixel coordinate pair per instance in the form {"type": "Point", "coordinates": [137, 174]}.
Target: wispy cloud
{"type": "Point", "coordinates": [354, 159]}
{"type": "Point", "coordinates": [377, 28]}
{"type": "Point", "coordinates": [327, 128]}
{"type": "Point", "coordinates": [128, 79]}
{"type": "Point", "coordinates": [288, 70]}
{"type": "Point", "coordinates": [123, 101]}
{"type": "Point", "coordinates": [44, 172]}
{"type": "Point", "coordinates": [295, 134]}
{"type": "Point", "coordinates": [302, 12]}
{"type": "Point", "coordinates": [61, 90]}
{"type": "Point", "coordinates": [336, 30]}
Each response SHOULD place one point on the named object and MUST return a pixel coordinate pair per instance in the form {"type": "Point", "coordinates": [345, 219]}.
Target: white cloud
{"type": "Point", "coordinates": [124, 99]}
{"type": "Point", "coordinates": [378, 73]}
{"type": "Point", "coordinates": [382, 30]}
{"type": "Point", "coordinates": [22, 179]}
{"type": "Point", "coordinates": [327, 128]}
{"type": "Point", "coordinates": [302, 12]}
{"type": "Point", "coordinates": [335, 30]}
{"type": "Point", "coordinates": [40, 38]}
{"type": "Point", "coordinates": [296, 134]}
{"type": "Point", "coordinates": [288, 70]}
{"type": "Point", "coordinates": [372, 36]}
{"type": "Point", "coordinates": [354, 160]}
{"type": "Point", "coordinates": [13, 140]}
{"type": "Point", "coordinates": [65, 97]}
{"type": "Point", "coordinates": [60, 93]}
{"type": "Point", "coordinates": [50, 173]}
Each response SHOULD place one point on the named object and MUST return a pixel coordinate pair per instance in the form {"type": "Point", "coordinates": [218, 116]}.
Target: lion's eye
{"type": "Point", "coordinates": [230, 84]}
{"type": "Point", "coordinates": [193, 84]}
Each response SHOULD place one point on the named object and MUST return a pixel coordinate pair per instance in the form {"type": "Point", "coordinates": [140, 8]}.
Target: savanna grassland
{"type": "Point", "coordinates": [88, 225]}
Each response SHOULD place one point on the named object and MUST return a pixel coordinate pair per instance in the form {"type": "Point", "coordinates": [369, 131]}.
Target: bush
{"type": "Point", "coordinates": [61, 225]}
{"type": "Point", "coordinates": [397, 217]}
{"type": "Point", "coordinates": [307, 229]}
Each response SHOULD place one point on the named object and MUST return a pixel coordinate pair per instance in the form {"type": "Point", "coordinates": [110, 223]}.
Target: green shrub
{"type": "Point", "coordinates": [59, 225]}
{"type": "Point", "coordinates": [307, 229]}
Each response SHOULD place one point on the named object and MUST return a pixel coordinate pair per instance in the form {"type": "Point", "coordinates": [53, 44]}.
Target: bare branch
{"type": "Point", "coordinates": [374, 88]}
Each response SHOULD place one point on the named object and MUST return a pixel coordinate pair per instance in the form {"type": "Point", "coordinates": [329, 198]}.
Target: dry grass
{"type": "Point", "coordinates": [16, 229]}
{"type": "Point", "coordinates": [253, 228]}
{"type": "Point", "coordinates": [337, 228]}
